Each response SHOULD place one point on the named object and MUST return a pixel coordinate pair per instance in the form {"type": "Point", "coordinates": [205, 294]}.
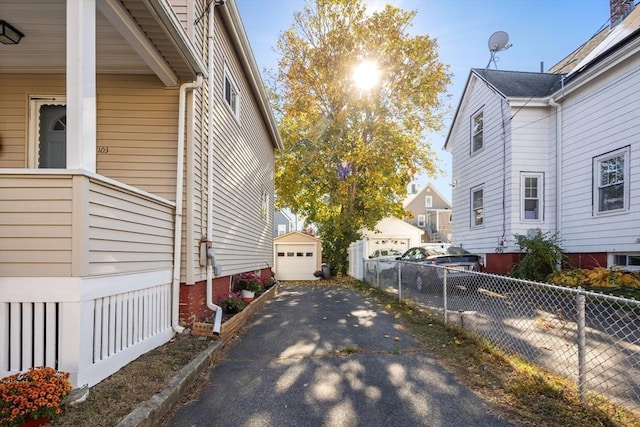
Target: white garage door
{"type": "Point", "coordinates": [295, 262]}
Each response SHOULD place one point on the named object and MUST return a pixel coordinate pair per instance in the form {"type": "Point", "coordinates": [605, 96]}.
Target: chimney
{"type": "Point", "coordinates": [413, 189]}
{"type": "Point", "coordinates": [619, 10]}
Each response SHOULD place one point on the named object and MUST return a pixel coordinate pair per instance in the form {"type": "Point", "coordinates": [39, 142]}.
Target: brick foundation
{"type": "Point", "coordinates": [193, 298]}
{"type": "Point", "coordinates": [504, 263]}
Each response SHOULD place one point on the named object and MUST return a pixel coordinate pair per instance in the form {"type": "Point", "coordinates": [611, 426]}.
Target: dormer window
{"type": "Point", "coordinates": [477, 132]}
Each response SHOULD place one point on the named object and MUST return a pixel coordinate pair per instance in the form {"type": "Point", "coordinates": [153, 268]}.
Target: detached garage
{"type": "Point", "coordinates": [297, 256]}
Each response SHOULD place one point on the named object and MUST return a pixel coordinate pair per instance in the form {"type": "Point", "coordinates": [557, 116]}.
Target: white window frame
{"type": "Point", "coordinates": [232, 101]}
{"type": "Point", "coordinates": [428, 201]}
{"type": "Point", "coordinates": [626, 265]}
{"type": "Point", "coordinates": [475, 132]}
{"type": "Point", "coordinates": [422, 220]}
{"type": "Point", "coordinates": [264, 206]}
{"type": "Point", "coordinates": [598, 184]}
{"type": "Point", "coordinates": [539, 176]}
{"type": "Point", "coordinates": [474, 209]}
{"type": "Point", "coordinates": [282, 229]}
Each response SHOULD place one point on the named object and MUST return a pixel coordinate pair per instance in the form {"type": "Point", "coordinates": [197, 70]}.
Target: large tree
{"type": "Point", "coordinates": [353, 141]}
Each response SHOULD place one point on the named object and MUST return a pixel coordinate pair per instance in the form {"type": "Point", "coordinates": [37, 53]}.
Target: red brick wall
{"type": "Point", "coordinates": [193, 298]}
{"type": "Point", "coordinates": [503, 263]}
{"type": "Point", "coordinates": [588, 260]}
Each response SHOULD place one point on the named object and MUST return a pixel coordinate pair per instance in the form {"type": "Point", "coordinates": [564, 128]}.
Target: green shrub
{"type": "Point", "coordinates": [542, 256]}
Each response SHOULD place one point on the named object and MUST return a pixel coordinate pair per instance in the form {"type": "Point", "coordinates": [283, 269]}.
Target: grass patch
{"type": "Point", "coordinates": [522, 393]}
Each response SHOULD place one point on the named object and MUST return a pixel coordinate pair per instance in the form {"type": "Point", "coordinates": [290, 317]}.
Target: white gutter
{"type": "Point", "coordinates": [177, 237]}
{"type": "Point", "coordinates": [558, 108]}
{"type": "Point", "coordinates": [210, 305]}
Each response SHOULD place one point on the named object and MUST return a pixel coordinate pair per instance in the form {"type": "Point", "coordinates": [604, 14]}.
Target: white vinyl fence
{"type": "Point", "coordinates": [590, 338]}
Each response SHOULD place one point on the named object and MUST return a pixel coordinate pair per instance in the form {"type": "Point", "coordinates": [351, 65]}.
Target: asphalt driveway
{"type": "Point", "coordinates": [327, 356]}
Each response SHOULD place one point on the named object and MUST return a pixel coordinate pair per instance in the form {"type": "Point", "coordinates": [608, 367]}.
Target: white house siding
{"type": "Point", "coordinates": [243, 170]}
{"type": "Point", "coordinates": [36, 225]}
{"type": "Point", "coordinates": [485, 168]}
{"type": "Point", "coordinates": [607, 110]}
{"type": "Point", "coordinates": [530, 147]}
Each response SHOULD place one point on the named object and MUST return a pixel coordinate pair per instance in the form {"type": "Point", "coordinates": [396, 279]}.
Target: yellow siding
{"type": "Point", "coordinates": [127, 232]}
{"type": "Point", "coordinates": [35, 225]}
{"type": "Point", "coordinates": [14, 92]}
{"type": "Point", "coordinates": [137, 126]}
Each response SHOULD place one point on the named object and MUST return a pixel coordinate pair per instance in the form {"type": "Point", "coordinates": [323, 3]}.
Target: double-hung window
{"type": "Point", "coordinates": [421, 220]}
{"type": "Point", "coordinates": [611, 181]}
{"type": "Point", "coordinates": [477, 132]}
{"type": "Point", "coordinates": [231, 94]}
{"type": "Point", "coordinates": [428, 201]}
{"type": "Point", "coordinates": [531, 190]}
{"type": "Point", "coordinates": [477, 207]}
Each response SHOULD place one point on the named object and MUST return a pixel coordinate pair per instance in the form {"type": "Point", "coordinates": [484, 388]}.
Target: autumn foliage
{"type": "Point", "coordinates": [350, 148]}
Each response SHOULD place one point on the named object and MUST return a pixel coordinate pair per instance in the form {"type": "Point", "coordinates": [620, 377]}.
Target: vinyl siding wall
{"type": "Point", "coordinates": [243, 170]}
{"type": "Point", "coordinates": [603, 116]}
{"type": "Point", "coordinates": [136, 126]}
{"type": "Point", "coordinates": [531, 147]}
{"type": "Point", "coordinates": [484, 168]}
{"type": "Point", "coordinates": [36, 225]}
{"type": "Point", "coordinates": [48, 230]}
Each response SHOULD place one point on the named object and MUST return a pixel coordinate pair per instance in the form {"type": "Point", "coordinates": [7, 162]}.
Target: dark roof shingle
{"type": "Point", "coordinates": [521, 84]}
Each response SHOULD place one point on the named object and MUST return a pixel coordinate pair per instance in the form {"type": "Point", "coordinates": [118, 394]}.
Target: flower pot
{"type": "Point", "coordinates": [30, 422]}
{"type": "Point", "coordinates": [248, 294]}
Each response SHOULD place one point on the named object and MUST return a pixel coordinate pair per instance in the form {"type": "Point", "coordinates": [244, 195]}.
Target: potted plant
{"type": "Point", "coordinates": [232, 303]}
{"type": "Point", "coordinates": [32, 397]}
{"type": "Point", "coordinates": [249, 284]}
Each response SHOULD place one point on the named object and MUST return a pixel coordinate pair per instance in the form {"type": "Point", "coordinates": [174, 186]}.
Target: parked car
{"type": "Point", "coordinates": [385, 260]}
{"type": "Point", "coordinates": [419, 266]}
{"type": "Point", "coordinates": [385, 253]}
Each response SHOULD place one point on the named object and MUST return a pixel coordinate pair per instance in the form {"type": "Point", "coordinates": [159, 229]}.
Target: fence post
{"type": "Point", "coordinates": [444, 293]}
{"type": "Point", "coordinates": [399, 281]}
{"type": "Point", "coordinates": [377, 273]}
{"type": "Point", "coordinates": [582, 368]}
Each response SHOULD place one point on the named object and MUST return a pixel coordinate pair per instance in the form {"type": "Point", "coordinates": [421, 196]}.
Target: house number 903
{"type": "Point", "coordinates": [102, 149]}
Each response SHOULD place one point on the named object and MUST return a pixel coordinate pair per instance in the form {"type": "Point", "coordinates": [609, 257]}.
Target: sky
{"type": "Point", "coordinates": [540, 31]}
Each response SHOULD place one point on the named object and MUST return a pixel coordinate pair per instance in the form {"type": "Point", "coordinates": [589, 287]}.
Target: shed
{"type": "Point", "coordinates": [297, 256]}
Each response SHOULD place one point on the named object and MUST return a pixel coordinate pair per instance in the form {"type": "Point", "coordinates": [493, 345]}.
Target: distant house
{"type": "Point", "coordinates": [282, 223]}
{"type": "Point", "coordinates": [126, 130]}
{"type": "Point", "coordinates": [430, 212]}
{"type": "Point", "coordinates": [554, 152]}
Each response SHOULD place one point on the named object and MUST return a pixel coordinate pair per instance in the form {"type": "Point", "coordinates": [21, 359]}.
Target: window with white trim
{"type": "Point", "coordinates": [428, 201]}
{"type": "Point", "coordinates": [231, 94]}
{"type": "Point", "coordinates": [477, 207]}
{"type": "Point", "coordinates": [531, 197]}
{"type": "Point", "coordinates": [630, 262]}
{"type": "Point", "coordinates": [264, 208]}
{"type": "Point", "coordinates": [611, 181]}
{"type": "Point", "coordinates": [477, 131]}
{"type": "Point", "coordinates": [282, 229]}
{"type": "Point", "coordinates": [422, 219]}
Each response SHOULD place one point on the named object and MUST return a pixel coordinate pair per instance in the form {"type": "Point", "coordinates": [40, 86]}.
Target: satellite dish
{"type": "Point", "coordinates": [499, 41]}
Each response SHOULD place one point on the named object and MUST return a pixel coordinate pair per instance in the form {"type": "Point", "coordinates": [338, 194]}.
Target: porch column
{"type": "Point", "coordinates": [81, 85]}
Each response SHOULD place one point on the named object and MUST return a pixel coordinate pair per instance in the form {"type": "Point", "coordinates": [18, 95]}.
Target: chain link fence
{"type": "Point", "coordinates": [590, 338]}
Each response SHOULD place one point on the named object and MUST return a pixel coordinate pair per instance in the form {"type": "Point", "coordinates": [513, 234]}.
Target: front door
{"type": "Point", "coordinates": [48, 138]}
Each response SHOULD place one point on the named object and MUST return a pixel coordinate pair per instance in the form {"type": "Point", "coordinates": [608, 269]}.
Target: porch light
{"type": "Point", "coordinates": [9, 34]}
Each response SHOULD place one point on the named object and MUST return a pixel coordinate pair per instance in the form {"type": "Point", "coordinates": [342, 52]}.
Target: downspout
{"type": "Point", "coordinates": [177, 238]}
{"type": "Point", "coordinates": [210, 265]}
{"type": "Point", "coordinates": [558, 107]}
